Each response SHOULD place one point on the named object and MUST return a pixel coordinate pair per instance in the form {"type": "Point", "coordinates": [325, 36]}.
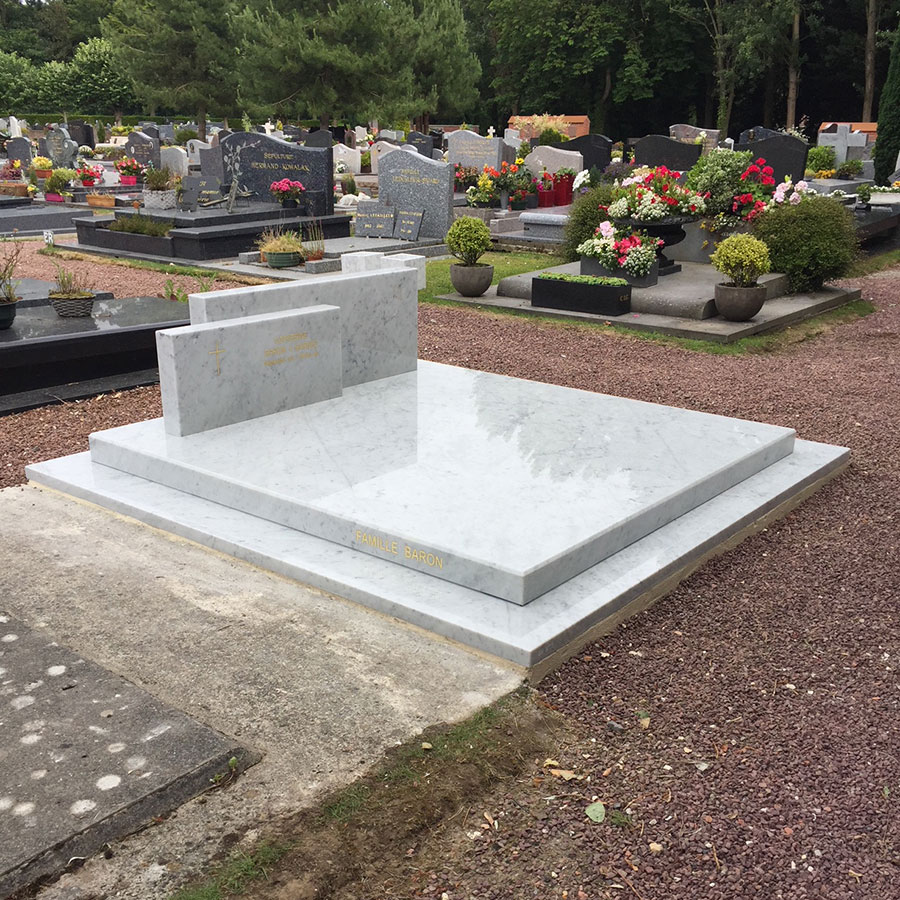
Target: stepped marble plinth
{"type": "Point", "coordinates": [504, 486]}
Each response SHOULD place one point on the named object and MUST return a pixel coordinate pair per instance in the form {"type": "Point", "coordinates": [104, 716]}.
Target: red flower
{"type": "Point", "coordinates": [768, 170]}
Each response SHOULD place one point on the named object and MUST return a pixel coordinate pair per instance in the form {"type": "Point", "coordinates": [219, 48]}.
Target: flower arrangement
{"type": "Point", "coordinates": [506, 178]}
{"type": "Point", "coordinates": [654, 196]}
{"type": "Point", "coordinates": [11, 170]}
{"type": "Point", "coordinates": [632, 252]}
{"type": "Point", "coordinates": [89, 175]}
{"type": "Point", "coordinates": [41, 164]}
{"type": "Point", "coordinates": [340, 167]}
{"type": "Point", "coordinates": [482, 192]}
{"type": "Point", "coordinates": [582, 180]}
{"type": "Point", "coordinates": [129, 167]}
{"type": "Point", "coordinates": [286, 189]}
{"type": "Point", "coordinates": [788, 192]}
{"type": "Point", "coordinates": [759, 185]}
{"type": "Point", "coordinates": [545, 182]}
{"type": "Point", "coordinates": [464, 177]}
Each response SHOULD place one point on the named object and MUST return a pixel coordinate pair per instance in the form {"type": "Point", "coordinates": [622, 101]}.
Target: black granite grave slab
{"type": "Point", "coordinates": [319, 139]}
{"type": "Point", "coordinates": [408, 224]}
{"type": "Point", "coordinates": [595, 149]}
{"type": "Point", "coordinates": [88, 756]}
{"type": "Point", "coordinates": [756, 133]}
{"type": "Point", "coordinates": [374, 219]}
{"type": "Point", "coordinates": [36, 292]}
{"type": "Point", "coordinates": [143, 148]}
{"type": "Point", "coordinates": [20, 148]}
{"type": "Point", "coordinates": [784, 153]}
{"type": "Point", "coordinates": [422, 142]}
{"type": "Point", "coordinates": [35, 218]}
{"type": "Point", "coordinates": [212, 164]}
{"type": "Point", "coordinates": [659, 150]}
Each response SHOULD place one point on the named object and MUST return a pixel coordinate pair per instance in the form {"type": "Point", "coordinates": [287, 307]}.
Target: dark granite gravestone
{"type": "Point", "coordinates": [20, 148]}
{"type": "Point", "coordinates": [659, 150]}
{"type": "Point", "coordinates": [756, 133]}
{"type": "Point", "coordinates": [151, 131]}
{"type": "Point", "coordinates": [595, 149]}
{"type": "Point", "coordinates": [61, 148]}
{"type": "Point", "coordinates": [257, 160]}
{"type": "Point", "coordinates": [374, 219]}
{"type": "Point", "coordinates": [319, 139]}
{"type": "Point", "coordinates": [422, 142]}
{"type": "Point", "coordinates": [784, 153]}
{"type": "Point", "coordinates": [196, 189]}
{"type": "Point", "coordinates": [350, 139]}
{"type": "Point", "coordinates": [338, 133]}
{"type": "Point", "coordinates": [409, 180]}
{"type": "Point", "coordinates": [142, 148]}
{"type": "Point", "coordinates": [82, 133]}
{"type": "Point", "coordinates": [167, 132]}
{"type": "Point", "coordinates": [211, 163]}
{"type": "Point", "coordinates": [408, 224]}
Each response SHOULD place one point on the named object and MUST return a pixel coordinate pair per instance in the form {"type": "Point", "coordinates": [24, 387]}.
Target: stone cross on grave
{"type": "Point", "coordinates": [491, 131]}
{"type": "Point", "coordinates": [217, 353]}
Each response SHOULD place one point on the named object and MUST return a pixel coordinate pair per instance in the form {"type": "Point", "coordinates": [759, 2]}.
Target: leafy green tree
{"type": "Point", "coordinates": [98, 84]}
{"type": "Point", "coordinates": [178, 53]}
{"type": "Point", "coordinates": [17, 82]}
{"type": "Point", "coordinates": [53, 87]}
{"type": "Point", "coordinates": [888, 145]}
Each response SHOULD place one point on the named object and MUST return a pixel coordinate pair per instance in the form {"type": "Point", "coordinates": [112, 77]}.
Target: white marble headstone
{"type": "Point", "coordinates": [193, 150]}
{"type": "Point", "coordinates": [349, 156]}
{"type": "Point", "coordinates": [175, 159]}
{"type": "Point", "coordinates": [219, 373]}
{"type": "Point", "coordinates": [361, 135]}
{"type": "Point", "coordinates": [379, 149]}
{"type": "Point", "coordinates": [15, 130]}
{"type": "Point", "coordinates": [552, 159]}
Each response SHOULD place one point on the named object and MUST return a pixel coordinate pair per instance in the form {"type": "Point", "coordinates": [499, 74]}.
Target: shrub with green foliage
{"type": "Point", "coordinates": [584, 218]}
{"type": "Point", "coordinates": [137, 224]}
{"type": "Point", "coordinates": [183, 135]}
{"type": "Point", "coordinates": [719, 172]}
{"type": "Point", "coordinates": [600, 280]}
{"type": "Point", "coordinates": [467, 239]}
{"type": "Point", "coordinates": [59, 181]}
{"type": "Point", "coordinates": [741, 258]}
{"type": "Point", "coordinates": [820, 159]}
{"type": "Point", "coordinates": [551, 136]}
{"type": "Point", "coordinates": [888, 144]}
{"type": "Point", "coordinates": [850, 169]}
{"type": "Point", "coordinates": [348, 183]}
{"type": "Point", "coordinates": [812, 242]}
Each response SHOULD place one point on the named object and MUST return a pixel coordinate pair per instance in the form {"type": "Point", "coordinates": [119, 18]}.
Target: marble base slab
{"type": "Point", "coordinates": [218, 373]}
{"type": "Point", "coordinates": [506, 486]}
{"type": "Point", "coordinates": [527, 636]}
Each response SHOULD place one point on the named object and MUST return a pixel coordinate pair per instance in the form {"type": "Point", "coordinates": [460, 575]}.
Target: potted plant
{"type": "Point", "coordinates": [519, 199]}
{"type": "Point", "coordinates": [283, 250]}
{"type": "Point", "coordinates": [481, 194]}
{"type": "Point", "coordinates": [850, 169]}
{"type": "Point", "coordinates": [288, 193]}
{"type": "Point", "coordinates": [11, 182]}
{"type": "Point", "coordinates": [627, 254]}
{"type": "Point", "coordinates": [467, 239]}
{"type": "Point", "coordinates": [103, 201]}
{"type": "Point", "coordinates": [545, 190]}
{"type": "Point", "coordinates": [863, 197]}
{"type": "Point", "coordinates": [563, 182]}
{"type": "Point", "coordinates": [42, 167]}
{"type": "Point", "coordinates": [129, 170]}
{"type": "Point", "coordinates": [89, 175]}
{"type": "Point", "coordinates": [581, 293]}
{"type": "Point", "coordinates": [9, 259]}
{"type": "Point", "coordinates": [159, 193]}
{"type": "Point", "coordinates": [56, 185]}
{"type": "Point", "coordinates": [365, 162]}
{"type": "Point", "coordinates": [743, 259]}
{"type": "Point", "coordinates": [71, 296]}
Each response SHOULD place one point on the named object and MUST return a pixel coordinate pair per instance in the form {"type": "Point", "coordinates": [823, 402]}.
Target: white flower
{"type": "Point", "coordinates": [580, 179]}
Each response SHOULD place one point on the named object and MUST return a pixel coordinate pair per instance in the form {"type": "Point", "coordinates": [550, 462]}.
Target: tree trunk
{"type": "Point", "coordinates": [872, 10]}
{"type": "Point", "coordinates": [201, 123]}
{"type": "Point", "coordinates": [225, 123]}
{"type": "Point", "coordinates": [793, 73]}
{"type": "Point", "coordinates": [769, 96]}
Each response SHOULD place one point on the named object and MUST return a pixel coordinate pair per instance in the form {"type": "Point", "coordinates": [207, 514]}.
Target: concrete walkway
{"type": "Point", "coordinates": [318, 686]}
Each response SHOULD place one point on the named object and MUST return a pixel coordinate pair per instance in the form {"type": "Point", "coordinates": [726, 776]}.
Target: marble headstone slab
{"type": "Point", "coordinates": [411, 181]}
{"type": "Point", "coordinates": [349, 156]}
{"type": "Point", "coordinates": [552, 159]}
{"type": "Point", "coordinates": [379, 315]}
{"type": "Point", "coordinates": [473, 151]}
{"type": "Point", "coordinates": [61, 148]}
{"type": "Point", "coordinates": [219, 373]}
{"type": "Point", "coordinates": [784, 153]}
{"type": "Point", "coordinates": [144, 149]}
{"type": "Point", "coordinates": [15, 127]}
{"type": "Point", "coordinates": [20, 148]}
{"type": "Point", "coordinates": [377, 151]}
{"type": "Point", "coordinates": [595, 150]}
{"type": "Point", "coordinates": [847, 144]}
{"type": "Point", "coordinates": [512, 137]}
{"type": "Point", "coordinates": [194, 147]}
{"type": "Point", "coordinates": [689, 134]}
{"type": "Point", "coordinates": [408, 224]}
{"type": "Point", "coordinates": [387, 134]}
{"type": "Point", "coordinates": [198, 189]}
{"type": "Point", "coordinates": [167, 132]}
{"type": "Point", "coordinates": [319, 139]}
{"type": "Point", "coordinates": [362, 136]}
{"type": "Point", "coordinates": [82, 134]}
{"type": "Point", "coordinates": [175, 159]}
{"type": "Point", "coordinates": [423, 143]}
{"type": "Point", "coordinates": [374, 219]}
{"type": "Point", "coordinates": [659, 150]}
{"type": "Point", "coordinates": [150, 130]}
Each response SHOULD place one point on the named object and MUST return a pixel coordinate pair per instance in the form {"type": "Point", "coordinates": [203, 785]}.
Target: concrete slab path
{"type": "Point", "coordinates": [320, 687]}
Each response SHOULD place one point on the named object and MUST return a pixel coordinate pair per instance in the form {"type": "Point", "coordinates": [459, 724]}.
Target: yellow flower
{"type": "Point", "coordinates": [519, 161]}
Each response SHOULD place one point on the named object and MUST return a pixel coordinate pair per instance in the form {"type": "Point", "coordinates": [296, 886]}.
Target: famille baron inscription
{"type": "Point", "coordinates": [399, 549]}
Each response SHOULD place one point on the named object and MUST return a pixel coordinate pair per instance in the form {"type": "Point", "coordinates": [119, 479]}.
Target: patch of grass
{"type": "Point", "coordinates": [151, 266]}
{"type": "Point", "coordinates": [349, 802]}
{"type": "Point", "coordinates": [438, 270]}
{"type": "Point", "coordinates": [868, 265]}
{"type": "Point", "coordinates": [236, 875]}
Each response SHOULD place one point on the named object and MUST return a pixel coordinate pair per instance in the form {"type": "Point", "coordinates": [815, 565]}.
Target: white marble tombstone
{"type": "Point", "coordinates": [348, 156]}
{"type": "Point", "coordinates": [193, 151]}
{"type": "Point", "coordinates": [361, 135]}
{"type": "Point", "coordinates": [552, 159]}
{"type": "Point", "coordinates": [175, 159]}
{"type": "Point", "coordinates": [15, 129]}
{"type": "Point", "coordinates": [842, 141]}
{"type": "Point", "coordinates": [379, 149]}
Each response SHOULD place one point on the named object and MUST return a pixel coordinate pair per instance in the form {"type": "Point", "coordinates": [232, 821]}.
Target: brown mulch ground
{"type": "Point", "coordinates": [746, 725]}
{"type": "Point", "coordinates": [122, 280]}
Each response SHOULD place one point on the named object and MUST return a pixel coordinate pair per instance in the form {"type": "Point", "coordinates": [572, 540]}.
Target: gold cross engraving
{"type": "Point", "coordinates": [217, 353]}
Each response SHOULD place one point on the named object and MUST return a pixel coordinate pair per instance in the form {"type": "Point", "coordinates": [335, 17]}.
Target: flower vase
{"type": "Point", "coordinates": [531, 201]}
{"type": "Point", "coordinates": [545, 199]}
{"type": "Point", "coordinates": [504, 199]}
{"type": "Point", "coordinates": [562, 189]}
{"type": "Point", "coordinates": [128, 180]}
{"type": "Point", "coordinates": [289, 202]}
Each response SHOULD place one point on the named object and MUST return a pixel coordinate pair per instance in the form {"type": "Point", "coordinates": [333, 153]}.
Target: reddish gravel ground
{"type": "Point", "coordinates": [767, 762]}
{"type": "Point", "coordinates": [122, 280]}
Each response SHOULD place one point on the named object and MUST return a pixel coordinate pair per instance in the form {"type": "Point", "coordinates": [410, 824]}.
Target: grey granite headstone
{"type": "Point", "coordinates": [319, 139]}
{"type": "Point", "coordinates": [144, 149]}
{"type": "Point", "coordinates": [691, 134]}
{"type": "Point", "coordinates": [82, 133]}
{"type": "Point", "coordinates": [211, 163]}
{"type": "Point", "coordinates": [20, 148]}
{"type": "Point", "coordinates": [256, 160]}
{"type": "Point", "coordinates": [408, 224]}
{"type": "Point", "coordinates": [61, 148]}
{"type": "Point", "coordinates": [374, 219]}
{"type": "Point", "coordinates": [175, 159]}
{"type": "Point", "coordinates": [659, 150]}
{"type": "Point", "coordinates": [411, 181]}
{"type": "Point", "coordinates": [197, 189]}
{"type": "Point", "coordinates": [423, 143]}
{"type": "Point", "coordinates": [847, 144]}
{"type": "Point", "coordinates": [595, 149]}
{"type": "Point", "coordinates": [151, 131]}
{"type": "Point", "coordinates": [471, 150]}
{"type": "Point", "coordinates": [167, 132]}
{"type": "Point", "coordinates": [784, 153]}
{"type": "Point", "coordinates": [438, 155]}
{"type": "Point", "coordinates": [350, 139]}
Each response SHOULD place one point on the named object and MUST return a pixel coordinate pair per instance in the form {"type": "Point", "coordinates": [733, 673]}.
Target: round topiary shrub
{"type": "Point", "coordinates": [812, 242]}
{"type": "Point", "coordinates": [551, 136]}
{"type": "Point", "coordinates": [467, 239]}
{"type": "Point", "coordinates": [584, 218]}
{"type": "Point", "coordinates": [741, 258]}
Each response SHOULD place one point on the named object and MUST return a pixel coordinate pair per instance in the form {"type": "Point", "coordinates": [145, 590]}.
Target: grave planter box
{"type": "Point", "coordinates": [103, 201]}
{"type": "Point", "coordinates": [14, 188]}
{"type": "Point", "coordinates": [121, 240]}
{"type": "Point", "coordinates": [159, 199]}
{"type": "Point", "coordinates": [599, 299]}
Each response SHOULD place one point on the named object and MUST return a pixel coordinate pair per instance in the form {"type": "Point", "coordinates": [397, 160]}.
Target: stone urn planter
{"type": "Point", "coordinates": [670, 231]}
{"type": "Point", "coordinates": [159, 199]}
{"type": "Point", "coordinates": [471, 281]}
{"type": "Point", "coordinates": [7, 315]}
{"type": "Point", "coordinates": [591, 266]}
{"type": "Point", "coordinates": [739, 304]}
{"type": "Point", "coordinates": [282, 259]}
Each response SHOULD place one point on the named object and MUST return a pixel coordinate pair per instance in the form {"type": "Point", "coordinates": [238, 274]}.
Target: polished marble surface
{"type": "Point", "coordinates": [379, 315]}
{"type": "Point", "coordinates": [509, 487]}
{"type": "Point", "coordinates": [220, 373]}
{"type": "Point", "coordinates": [524, 635]}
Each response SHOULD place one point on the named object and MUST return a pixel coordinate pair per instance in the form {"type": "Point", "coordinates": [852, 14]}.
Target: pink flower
{"type": "Point", "coordinates": [795, 199]}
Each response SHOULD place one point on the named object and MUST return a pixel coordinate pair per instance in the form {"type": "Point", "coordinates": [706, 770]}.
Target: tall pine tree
{"type": "Point", "coordinates": [888, 144]}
